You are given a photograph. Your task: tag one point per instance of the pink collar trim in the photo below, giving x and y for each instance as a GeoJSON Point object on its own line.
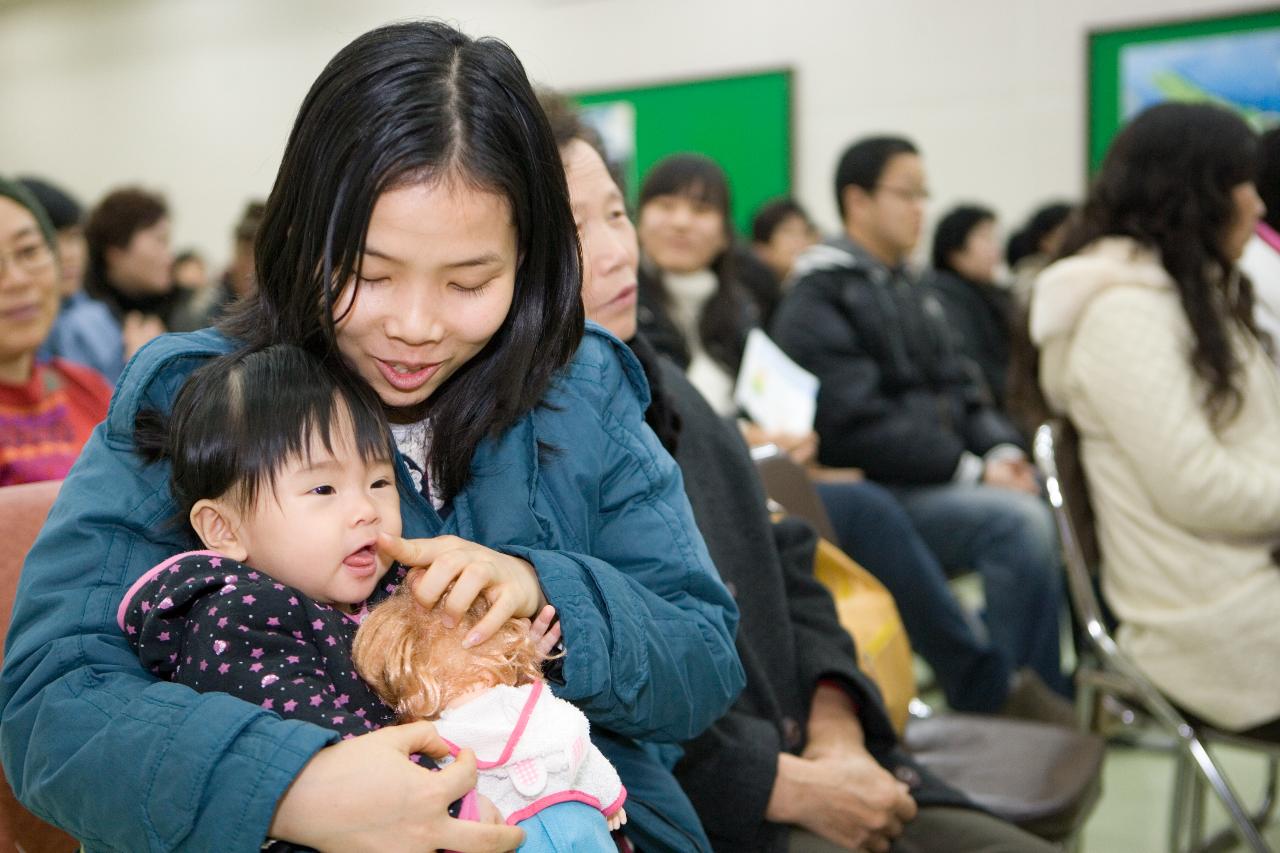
{"type": "Point", "coordinates": [151, 573]}
{"type": "Point", "coordinates": [525, 713]}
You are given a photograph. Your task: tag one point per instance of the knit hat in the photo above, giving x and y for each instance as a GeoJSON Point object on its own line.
{"type": "Point", "coordinates": [18, 193]}
{"type": "Point", "coordinates": [64, 211]}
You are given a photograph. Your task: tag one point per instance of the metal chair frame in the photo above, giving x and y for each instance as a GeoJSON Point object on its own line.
{"type": "Point", "coordinates": [1116, 675]}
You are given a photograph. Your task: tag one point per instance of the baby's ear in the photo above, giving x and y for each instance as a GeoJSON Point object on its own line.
{"type": "Point", "coordinates": [218, 527]}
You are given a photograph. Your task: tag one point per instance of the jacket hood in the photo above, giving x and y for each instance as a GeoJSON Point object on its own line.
{"type": "Point", "coordinates": [837, 253]}
{"type": "Point", "coordinates": [1066, 288]}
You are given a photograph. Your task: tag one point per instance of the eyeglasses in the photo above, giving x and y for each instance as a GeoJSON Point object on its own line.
{"type": "Point", "coordinates": [30, 259]}
{"type": "Point", "coordinates": [912, 196]}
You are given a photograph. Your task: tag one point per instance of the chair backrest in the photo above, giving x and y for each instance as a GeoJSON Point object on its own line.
{"type": "Point", "coordinates": [788, 484]}
{"type": "Point", "coordinates": [22, 512]}
{"type": "Point", "coordinates": [1088, 609]}
{"type": "Point", "coordinates": [1047, 450]}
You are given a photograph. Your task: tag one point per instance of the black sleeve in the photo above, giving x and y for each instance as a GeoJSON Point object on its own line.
{"type": "Point", "coordinates": [857, 423]}
{"type": "Point", "coordinates": [728, 772]}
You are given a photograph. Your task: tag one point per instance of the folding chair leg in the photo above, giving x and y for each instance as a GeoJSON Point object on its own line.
{"type": "Point", "coordinates": [1242, 820]}
{"type": "Point", "coordinates": [1088, 706]}
{"type": "Point", "coordinates": [1225, 839]}
{"type": "Point", "coordinates": [1179, 808]}
{"type": "Point", "coordinates": [1268, 805]}
{"type": "Point", "coordinates": [1195, 813]}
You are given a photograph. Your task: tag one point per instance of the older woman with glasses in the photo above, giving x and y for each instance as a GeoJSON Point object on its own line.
{"type": "Point", "coordinates": [47, 410]}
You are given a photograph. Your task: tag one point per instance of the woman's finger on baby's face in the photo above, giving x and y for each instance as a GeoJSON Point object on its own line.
{"type": "Point", "coordinates": [416, 552]}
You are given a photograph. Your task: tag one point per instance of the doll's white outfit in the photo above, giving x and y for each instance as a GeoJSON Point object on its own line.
{"type": "Point", "coordinates": [533, 751]}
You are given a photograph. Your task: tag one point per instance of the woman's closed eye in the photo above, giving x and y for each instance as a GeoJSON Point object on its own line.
{"type": "Point", "coordinates": [472, 289]}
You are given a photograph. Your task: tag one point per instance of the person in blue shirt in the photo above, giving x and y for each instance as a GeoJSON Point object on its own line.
{"type": "Point", "coordinates": [420, 228]}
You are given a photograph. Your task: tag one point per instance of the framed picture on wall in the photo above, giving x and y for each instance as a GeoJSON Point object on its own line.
{"type": "Point", "coordinates": [743, 122]}
{"type": "Point", "coordinates": [1230, 60]}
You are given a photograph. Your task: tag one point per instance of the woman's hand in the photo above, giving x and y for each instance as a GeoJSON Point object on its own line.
{"type": "Point", "coordinates": [364, 794]}
{"type": "Point", "coordinates": [509, 584]}
{"type": "Point", "coordinates": [803, 449]}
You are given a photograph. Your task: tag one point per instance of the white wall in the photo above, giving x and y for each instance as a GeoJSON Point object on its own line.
{"type": "Point", "coordinates": [196, 97]}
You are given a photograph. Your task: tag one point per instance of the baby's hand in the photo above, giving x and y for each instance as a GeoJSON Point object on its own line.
{"type": "Point", "coordinates": [543, 632]}
{"type": "Point", "coordinates": [617, 820]}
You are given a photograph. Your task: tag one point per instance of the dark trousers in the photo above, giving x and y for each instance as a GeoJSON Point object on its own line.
{"type": "Point", "coordinates": [874, 529]}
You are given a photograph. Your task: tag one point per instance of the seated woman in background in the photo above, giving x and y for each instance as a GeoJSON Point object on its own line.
{"type": "Point", "coordinates": [966, 252]}
{"type": "Point", "coordinates": [46, 410]}
{"type": "Point", "coordinates": [691, 305]}
{"type": "Point", "coordinates": [130, 270]}
{"type": "Point", "coordinates": [780, 231]}
{"type": "Point", "coordinates": [1148, 345]}
{"type": "Point", "coordinates": [1034, 245]}
{"type": "Point", "coordinates": [85, 332]}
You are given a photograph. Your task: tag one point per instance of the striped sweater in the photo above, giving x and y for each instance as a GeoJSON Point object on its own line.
{"type": "Point", "coordinates": [45, 421]}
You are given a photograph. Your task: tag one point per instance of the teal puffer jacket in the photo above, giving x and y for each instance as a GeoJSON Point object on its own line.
{"type": "Point", "coordinates": [579, 487]}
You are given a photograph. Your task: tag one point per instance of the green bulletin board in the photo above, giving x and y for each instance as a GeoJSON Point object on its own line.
{"type": "Point", "coordinates": [742, 122]}
{"type": "Point", "coordinates": [1231, 60]}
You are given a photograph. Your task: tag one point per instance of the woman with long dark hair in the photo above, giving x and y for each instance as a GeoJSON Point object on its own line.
{"type": "Point", "coordinates": [420, 229]}
{"type": "Point", "coordinates": [691, 305]}
{"type": "Point", "coordinates": [1148, 345]}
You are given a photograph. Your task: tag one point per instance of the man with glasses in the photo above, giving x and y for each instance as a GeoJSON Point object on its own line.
{"type": "Point", "coordinates": [897, 401]}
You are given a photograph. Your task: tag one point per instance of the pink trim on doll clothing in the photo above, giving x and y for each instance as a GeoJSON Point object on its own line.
{"type": "Point", "coordinates": [470, 806]}
{"type": "Point", "coordinates": [571, 796]}
{"type": "Point", "coordinates": [149, 574]}
{"type": "Point", "coordinates": [1268, 235]}
{"type": "Point", "coordinates": [525, 713]}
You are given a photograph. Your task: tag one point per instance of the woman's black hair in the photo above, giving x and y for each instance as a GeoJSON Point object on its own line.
{"type": "Point", "coordinates": [1166, 182]}
{"type": "Point", "coordinates": [240, 418]}
{"type": "Point", "coordinates": [701, 179]}
{"type": "Point", "coordinates": [405, 104]}
{"type": "Point", "coordinates": [1027, 239]}
{"type": "Point", "coordinates": [772, 215]}
{"type": "Point", "coordinates": [953, 230]}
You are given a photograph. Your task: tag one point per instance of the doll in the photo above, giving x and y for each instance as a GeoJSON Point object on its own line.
{"type": "Point", "coordinates": [535, 759]}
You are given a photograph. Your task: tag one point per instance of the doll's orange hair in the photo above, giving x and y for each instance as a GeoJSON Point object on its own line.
{"type": "Point", "coordinates": [416, 665]}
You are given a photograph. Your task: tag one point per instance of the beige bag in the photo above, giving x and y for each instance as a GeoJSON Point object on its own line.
{"type": "Point", "coordinates": [867, 611]}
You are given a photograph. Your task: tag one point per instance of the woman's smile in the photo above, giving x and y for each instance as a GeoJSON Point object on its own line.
{"type": "Point", "coordinates": [407, 377]}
